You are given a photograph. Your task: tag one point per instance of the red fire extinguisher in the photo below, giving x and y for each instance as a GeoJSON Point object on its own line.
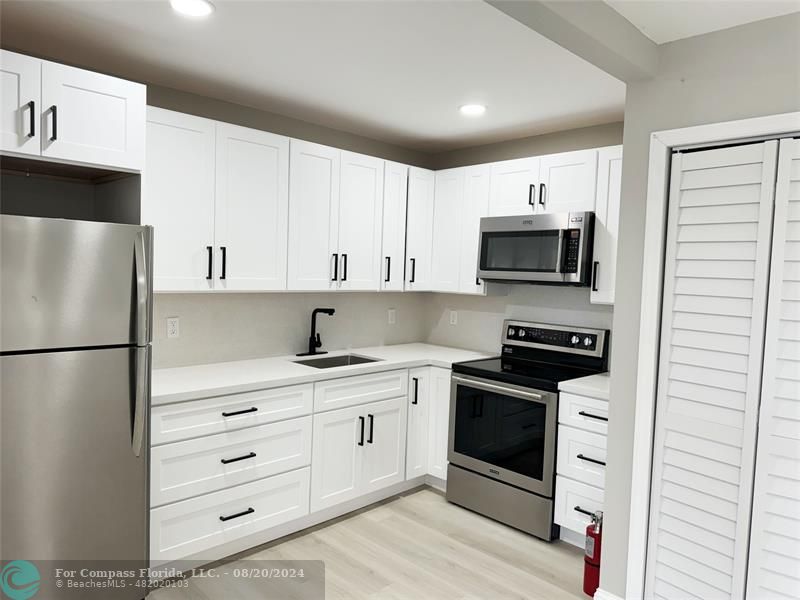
{"type": "Point", "coordinates": [591, 559]}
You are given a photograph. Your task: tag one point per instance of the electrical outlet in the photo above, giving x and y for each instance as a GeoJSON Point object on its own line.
{"type": "Point", "coordinates": [453, 317]}
{"type": "Point", "coordinates": [173, 327]}
{"type": "Point", "coordinates": [392, 315]}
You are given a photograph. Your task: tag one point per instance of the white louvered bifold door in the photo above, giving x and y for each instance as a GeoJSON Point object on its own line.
{"type": "Point", "coordinates": [715, 287]}
{"type": "Point", "coordinates": [775, 533]}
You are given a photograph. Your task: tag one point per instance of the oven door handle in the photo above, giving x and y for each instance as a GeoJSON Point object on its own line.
{"type": "Point", "coordinates": [497, 388]}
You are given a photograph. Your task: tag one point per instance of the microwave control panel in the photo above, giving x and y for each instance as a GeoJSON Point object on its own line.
{"type": "Point", "coordinates": [572, 248]}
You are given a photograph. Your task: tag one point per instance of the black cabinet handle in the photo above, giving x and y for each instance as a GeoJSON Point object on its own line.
{"type": "Point", "coordinates": [594, 275]}
{"type": "Point", "coordinates": [388, 269]}
{"type": "Point", "coordinates": [54, 112]}
{"type": "Point", "coordinates": [591, 416]}
{"type": "Point", "coordinates": [583, 511]}
{"type": "Point", "coordinates": [413, 270]}
{"type": "Point", "coordinates": [361, 421]}
{"type": "Point", "coordinates": [227, 461]}
{"type": "Point", "coordinates": [416, 390]}
{"type": "Point", "coordinates": [371, 428]}
{"type": "Point", "coordinates": [477, 281]}
{"type": "Point", "coordinates": [335, 266]}
{"type": "Point", "coordinates": [344, 267]}
{"type": "Point", "coordinates": [224, 251]}
{"type": "Point", "coordinates": [32, 117]}
{"type": "Point", "coordinates": [532, 194]}
{"type": "Point", "coordinates": [542, 190]}
{"type": "Point", "coordinates": [249, 511]}
{"type": "Point", "coordinates": [209, 272]}
{"type": "Point", "coordinates": [591, 460]}
{"type": "Point", "coordinates": [252, 409]}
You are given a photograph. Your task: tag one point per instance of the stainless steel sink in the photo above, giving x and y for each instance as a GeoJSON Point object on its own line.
{"type": "Point", "coordinates": [342, 360]}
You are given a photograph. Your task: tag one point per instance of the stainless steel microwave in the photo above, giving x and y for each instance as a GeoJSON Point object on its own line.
{"type": "Point", "coordinates": [551, 249]}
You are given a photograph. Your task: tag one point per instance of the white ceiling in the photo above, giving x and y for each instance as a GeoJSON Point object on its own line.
{"type": "Point", "coordinates": [669, 20]}
{"type": "Point", "coordinates": [396, 71]}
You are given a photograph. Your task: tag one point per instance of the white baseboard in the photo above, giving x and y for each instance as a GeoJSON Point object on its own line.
{"type": "Point", "coordinates": [604, 595]}
{"type": "Point", "coordinates": [573, 537]}
{"type": "Point", "coordinates": [436, 482]}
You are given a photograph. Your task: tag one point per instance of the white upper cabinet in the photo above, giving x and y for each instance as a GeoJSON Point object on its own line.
{"type": "Point", "coordinates": [92, 118]}
{"type": "Point", "coordinates": [20, 103]}
{"type": "Point", "coordinates": [178, 199]}
{"type": "Point", "coordinates": [475, 207]}
{"type": "Point", "coordinates": [395, 190]}
{"type": "Point", "coordinates": [606, 225]}
{"type": "Point", "coordinates": [314, 172]}
{"type": "Point", "coordinates": [567, 182]}
{"type": "Point", "coordinates": [360, 222]}
{"type": "Point", "coordinates": [513, 187]}
{"type": "Point", "coordinates": [252, 209]}
{"type": "Point", "coordinates": [419, 229]}
{"type": "Point", "coordinates": [69, 114]}
{"type": "Point", "coordinates": [447, 217]}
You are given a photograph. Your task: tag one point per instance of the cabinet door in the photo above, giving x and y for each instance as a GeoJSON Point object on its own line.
{"type": "Point", "coordinates": [418, 407]}
{"type": "Point", "coordinates": [439, 421]}
{"type": "Point", "coordinates": [360, 222]}
{"type": "Point", "coordinates": [395, 190]}
{"type": "Point", "coordinates": [252, 209]}
{"type": "Point", "coordinates": [606, 225]}
{"type": "Point", "coordinates": [313, 216]}
{"type": "Point", "coordinates": [419, 229]}
{"type": "Point", "coordinates": [475, 206]}
{"type": "Point", "coordinates": [513, 187]}
{"type": "Point", "coordinates": [92, 118]}
{"type": "Point", "coordinates": [385, 450]}
{"type": "Point", "coordinates": [178, 199]}
{"type": "Point", "coordinates": [567, 182]}
{"type": "Point", "coordinates": [339, 439]}
{"type": "Point", "coordinates": [448, 207]}
{"type": "Point", "coordinates": [20, 105]}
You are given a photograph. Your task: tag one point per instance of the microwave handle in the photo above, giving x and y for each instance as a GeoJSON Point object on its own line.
{"type": "Point", "coordinates": [560, 252]}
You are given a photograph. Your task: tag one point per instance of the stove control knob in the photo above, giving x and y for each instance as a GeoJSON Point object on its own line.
{"type": "Point", "coordinates": [575, 340]}
{"type": "Point", "coordinates": [511, 332]}
{"type": "Point", "coordinates": [587, 341]}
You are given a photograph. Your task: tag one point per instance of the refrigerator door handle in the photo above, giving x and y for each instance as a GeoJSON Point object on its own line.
{"type": "Point", "coordinates": [142, 291]}
{"type": "Point", "coordinates": [141, 399]}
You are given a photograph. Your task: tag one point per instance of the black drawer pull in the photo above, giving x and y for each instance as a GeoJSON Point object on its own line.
{"type": "Point", "coordinates": [591, 460]}
{"type": "Point", "coordinates": [583, 511]}
{"type": "Point", "coordinates": [591, 416]}
{"type": "Point", "coordinates": [249, 511]}
{"type": "Point", "coordinates": [239, 412]}
{"type": "Point", "coordinates": [227, 461]}
{"type": "Point", "coordinates": [371, 428]}
{"type": "Point", "coordinates": [32, 109]}
{"type": "Point", "coordinates": [361, 421]}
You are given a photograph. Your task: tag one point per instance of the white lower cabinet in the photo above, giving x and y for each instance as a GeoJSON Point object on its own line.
{"type": "Point", "coordinates": [418, 411]}
{"type": "Point", "coordinates": [438, 422]}
{"type": "Point", "coordinates": [186, 528]}
{"type": "Point", "coordinates": [357, 450]}
{"type": "Point", "coordinates": [573, 500]}
{"type": "Point", "coordinates": [582, 455]}
{"type": "Point", "coordinates": [213, 462]}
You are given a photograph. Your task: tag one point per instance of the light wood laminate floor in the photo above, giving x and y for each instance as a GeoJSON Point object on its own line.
{"type": "Point", "coordinates": [415, 546]}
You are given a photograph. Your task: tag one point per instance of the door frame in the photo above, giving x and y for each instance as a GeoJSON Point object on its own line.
{"type": "Point", "coordinates": [661, 145]}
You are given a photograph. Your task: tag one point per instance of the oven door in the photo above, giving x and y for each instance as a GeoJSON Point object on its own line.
{"type": "Point", "coordinates": [504, 431]}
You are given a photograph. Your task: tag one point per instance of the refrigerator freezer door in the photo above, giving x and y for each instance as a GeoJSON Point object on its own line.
{"type": "Point", "coordinates": [72, 487]}
{"type": "Point", "coordinates": [73, 284]}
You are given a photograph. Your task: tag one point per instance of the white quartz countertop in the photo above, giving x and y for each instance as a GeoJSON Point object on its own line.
{"type": "Point", "coordinates": [594, 386]}
{"type": "Point", "coordinates": [201, 381]}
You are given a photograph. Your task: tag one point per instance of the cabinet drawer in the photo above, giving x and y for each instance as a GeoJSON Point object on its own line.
{"type": "Point", "coordinates": [193, 467]}
{"type": "Point", "coordinates": [191, 526]}
{"type": "Point", "coordinates": [174, 422]}
{"type": "Point", "coordinates": [349, 391]}
{"type": "Point", "coordinates": [571, 494]}
{"type": "Point", "coordinates": [583, 412]}
{"type": "Point", "coordinates": [577, 452]}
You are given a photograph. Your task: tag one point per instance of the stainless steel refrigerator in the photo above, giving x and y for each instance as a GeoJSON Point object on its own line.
{"type": "Point", "coordinates": [75, 333]}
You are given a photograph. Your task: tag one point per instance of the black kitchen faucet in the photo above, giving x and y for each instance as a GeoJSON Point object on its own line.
{"type": "Point", "coordinates": [314, 340]}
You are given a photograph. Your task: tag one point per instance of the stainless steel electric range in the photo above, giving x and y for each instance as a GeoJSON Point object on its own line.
{"type": "Point", "coordinates": [503, 421]}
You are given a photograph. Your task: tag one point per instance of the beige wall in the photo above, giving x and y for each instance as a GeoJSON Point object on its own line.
{"type": "Point", "coordinates": [549, 143]}
{"type": "Point", "coordinates": [746, 71]}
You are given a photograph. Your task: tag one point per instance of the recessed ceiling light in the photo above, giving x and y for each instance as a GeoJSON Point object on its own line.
{"type": "Point", "coordinates": [192, 8]}
{"type": "Point", "coordinates": [472, 110]}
